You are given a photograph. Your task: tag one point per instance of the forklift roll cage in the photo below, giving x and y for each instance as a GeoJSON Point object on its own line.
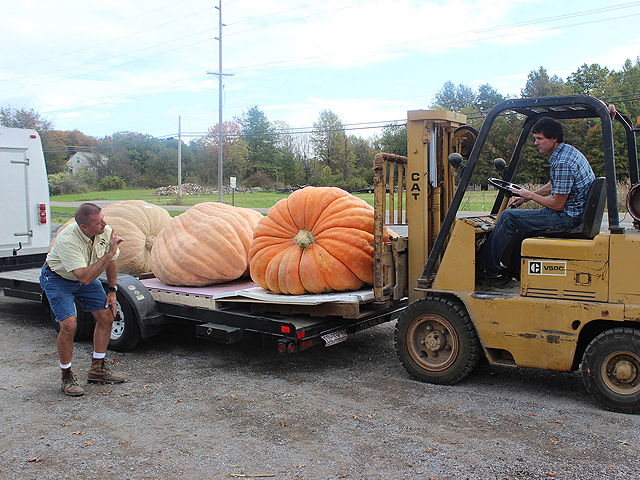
{"type": "Point", "coordinates": [559, 108]}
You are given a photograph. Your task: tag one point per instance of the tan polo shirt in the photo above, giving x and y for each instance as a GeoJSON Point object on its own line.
{"type": "Point", "coordinates": [73, 249]}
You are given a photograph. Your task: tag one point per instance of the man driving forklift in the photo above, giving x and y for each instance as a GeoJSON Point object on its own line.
{"type": "Point", "coordinates": [562, 199]}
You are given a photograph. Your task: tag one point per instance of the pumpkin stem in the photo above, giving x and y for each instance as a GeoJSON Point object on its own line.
{"type": "Point", "coordinates": [304, 239]}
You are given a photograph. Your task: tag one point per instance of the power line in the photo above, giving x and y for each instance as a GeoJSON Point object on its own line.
{"type": "Point", "coordinates": [145, 14]}
{"type": "Point", "coordinates": [108, 42]}
{"type": "Point", "coordinates": [297, 130]}
{"type": "Point", "coordinates": [283, 63]}
{"type": "Point", "coordinates": [133, 94]}
{"type": "Point", "coordinates": [314, 59]}
{"type": "Point", "coordinates": [302, 18]}
{"type": "Point", "coordinates": [276, 132]}
{"type": "Point", "coordinates": [276, 13]}
{"type": "Point", "coordinates": [105, 68]}
{"type": "Point", "coordinates": [75, 67]}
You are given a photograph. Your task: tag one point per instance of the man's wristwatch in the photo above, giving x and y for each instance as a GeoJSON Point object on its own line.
{"type": "Point", "coordinates": [113, 289]}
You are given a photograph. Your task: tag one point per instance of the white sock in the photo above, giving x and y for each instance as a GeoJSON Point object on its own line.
{"type": "Point", "coordinates": [64, 367]}
{"type": "Point", "coordinates": [99, 356]}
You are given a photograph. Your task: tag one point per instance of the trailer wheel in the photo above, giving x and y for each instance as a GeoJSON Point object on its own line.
{"type": "Point", "coordinates": [125, 332]}
{"type": "Point", "coordinates": [436, 341]}
{"type": "Point", "coordinates": [88, 323]}
{"type": "Point", "coordinates": [84, 324]}
{"type": "Point", "coordinates": [611, 369]}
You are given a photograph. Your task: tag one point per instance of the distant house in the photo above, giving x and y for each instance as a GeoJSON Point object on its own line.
{"type": "Point", "coordinates": [85, 161]}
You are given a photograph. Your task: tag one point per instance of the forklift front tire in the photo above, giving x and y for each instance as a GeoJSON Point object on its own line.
{"type": "Point", "coordinates": [611, 369]}
{"type": "Point", "coordinates": [436, 340]}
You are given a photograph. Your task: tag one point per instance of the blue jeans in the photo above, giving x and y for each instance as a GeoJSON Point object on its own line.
{"type": "Point", "coordinates": [521, 224]}
{"type": "Point", "coordinates": [61, 294]}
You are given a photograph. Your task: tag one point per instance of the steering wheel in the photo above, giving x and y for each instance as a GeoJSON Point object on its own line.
{"type": "Point", "coordinates": [504, 186]}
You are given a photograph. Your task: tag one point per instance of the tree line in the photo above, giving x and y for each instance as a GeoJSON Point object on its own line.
{"type": "Point", "coordinates": [621, 88]}
{"type": "Point", "coordinates": [269, 154]}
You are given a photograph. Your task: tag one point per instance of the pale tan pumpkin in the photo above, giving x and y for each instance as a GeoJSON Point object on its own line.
{"type": "Point", "coordinates": [139, 223]}
{"type": "Point", "coordinates": [319, 239]}
{"type": "Point", "coordinates": [207, 244]}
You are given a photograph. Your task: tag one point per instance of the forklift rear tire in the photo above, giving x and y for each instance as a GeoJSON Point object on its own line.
{"type": "Point", "coordinates": [125, 332]}
{"type": "Point", "coordinates": [611, 369]}
{"type": "Point", "coordinates": [436, 340]}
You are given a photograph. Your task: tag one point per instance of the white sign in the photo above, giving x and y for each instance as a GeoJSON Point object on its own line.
{"type": "Point", "coordinates": [548, 267]}
{"type": "Point", "coordinates": [232, 182]}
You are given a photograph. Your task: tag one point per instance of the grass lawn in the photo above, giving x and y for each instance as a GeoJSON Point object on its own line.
{"type": "Point", "coordinates": [103, 195]}
{"type": "Point", "coordinates": [477, 201]}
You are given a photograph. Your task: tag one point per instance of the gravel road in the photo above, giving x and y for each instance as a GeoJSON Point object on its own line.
{"type": "Point", "coordinates": [199, 410]}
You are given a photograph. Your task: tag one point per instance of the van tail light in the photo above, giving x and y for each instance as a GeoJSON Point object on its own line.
{"type": "Point", "coordinates": [42, 210]}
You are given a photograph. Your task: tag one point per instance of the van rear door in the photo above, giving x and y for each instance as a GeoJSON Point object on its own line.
{"type": "Point", "coordinates": [14, 184]}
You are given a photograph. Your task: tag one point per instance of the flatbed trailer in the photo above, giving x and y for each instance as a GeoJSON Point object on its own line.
{"type": "Point", "coordinates": [227, 312]}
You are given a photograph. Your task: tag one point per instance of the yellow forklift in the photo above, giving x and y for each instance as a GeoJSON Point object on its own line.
{"type": "Point", "coordinates": [577, 303]}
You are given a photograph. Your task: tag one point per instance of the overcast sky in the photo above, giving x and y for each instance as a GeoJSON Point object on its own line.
{"type": "Point", "coordinates": [122, 65]}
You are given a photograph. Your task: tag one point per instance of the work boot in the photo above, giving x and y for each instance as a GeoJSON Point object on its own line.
{"type": "Point", "coordinates": [100, 373]}
{"type": "Point", "coordinates": [70, 384]}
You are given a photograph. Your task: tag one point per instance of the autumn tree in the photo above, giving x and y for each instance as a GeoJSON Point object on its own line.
{"type": "Point", "coordinates": [261, 139]}
{"type": "Point", "coordinates": [24, 118]}
{"type": "Point", "coordinates": [331, 145]}
{"type": "Point", "coordinates": [487, 98]}
{"type": "Point", "coordinates": [59, 146]}
{"type": "Point", "coordinates": [590, 80]}
{"type": "Point", "coordinates": [231, 132]}
{"type": "Point", "coordinates": [393, 139]}
{"type": "Point", "coordinates": [539, 84]}
{"type": "Point", "coordinates": [455, 99]}
{"type": "Point", "coordinates": [238, 159]}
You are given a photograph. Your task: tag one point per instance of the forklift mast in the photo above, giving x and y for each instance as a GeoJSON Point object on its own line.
{"type": "Point", "coordinates": [424, 183]}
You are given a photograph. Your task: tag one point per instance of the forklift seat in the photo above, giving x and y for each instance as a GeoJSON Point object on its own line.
{"type": "Point", "coordinates": [592, 215]}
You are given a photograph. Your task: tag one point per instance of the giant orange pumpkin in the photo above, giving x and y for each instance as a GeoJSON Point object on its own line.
{"type": "Point", "coordinates": [319, 239]}
{"type": "Point", "coordinates": [209, 243]}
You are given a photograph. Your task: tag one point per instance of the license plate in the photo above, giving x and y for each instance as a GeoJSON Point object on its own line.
{"type": "Point", "coordinates": [334, 337]}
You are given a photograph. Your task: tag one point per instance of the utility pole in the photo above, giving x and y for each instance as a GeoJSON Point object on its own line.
{"type": "Point", "coordinates": [179, 157]}
{"type": "Point", "coordinates": [219, 74]}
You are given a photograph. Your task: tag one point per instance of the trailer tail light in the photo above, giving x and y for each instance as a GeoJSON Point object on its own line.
{"type": "Point", "coordinates": [33, 136]}
{"type": "Point", "coordinates": [285, 329]}
{"type": "Point", "coordinates": [301, 334]}
{"type": "Point", "coordinates": [305, 344]}
{"type": "Point", "coordinates": [285, 347]}
{"type": "Point", "coordinates": [42, 211]}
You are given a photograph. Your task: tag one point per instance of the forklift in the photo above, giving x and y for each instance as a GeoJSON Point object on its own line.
{"type": "Point", "coordinates": [576, 305]}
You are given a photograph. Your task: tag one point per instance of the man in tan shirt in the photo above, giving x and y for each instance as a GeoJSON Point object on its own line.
{"type": "Point", "coordinates": [80, 253]}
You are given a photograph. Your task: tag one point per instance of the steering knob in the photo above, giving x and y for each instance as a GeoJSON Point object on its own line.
{"type": "Point", "coordinates": [499, 164]}
{"type": "Point", "coordinates": [455, 160]}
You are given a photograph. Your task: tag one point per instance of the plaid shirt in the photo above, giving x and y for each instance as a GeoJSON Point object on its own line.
{"type": "Point", "coordinates": [572, 174]}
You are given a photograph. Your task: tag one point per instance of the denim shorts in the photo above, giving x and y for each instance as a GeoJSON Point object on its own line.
{"type": "Point", "coordinates": [62, 292]}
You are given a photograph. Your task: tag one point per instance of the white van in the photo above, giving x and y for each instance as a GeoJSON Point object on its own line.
{"type": "Point", "coordinates": [25, 215]}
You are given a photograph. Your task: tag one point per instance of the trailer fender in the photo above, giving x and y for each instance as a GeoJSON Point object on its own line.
{"type": "Point", "coordinates": [143, 305]}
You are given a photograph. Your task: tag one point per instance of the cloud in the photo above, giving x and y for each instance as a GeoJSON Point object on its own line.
{"type": "Point", "coordinates": [123, 65]}
{"type": "Point", "coordinates": [615, 56]}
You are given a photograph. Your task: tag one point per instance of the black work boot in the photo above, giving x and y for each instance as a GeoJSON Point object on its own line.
{"type": "Point", "coordinates": [70, 384]}
{"type": "Point", "coordinates": [100, 373]}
